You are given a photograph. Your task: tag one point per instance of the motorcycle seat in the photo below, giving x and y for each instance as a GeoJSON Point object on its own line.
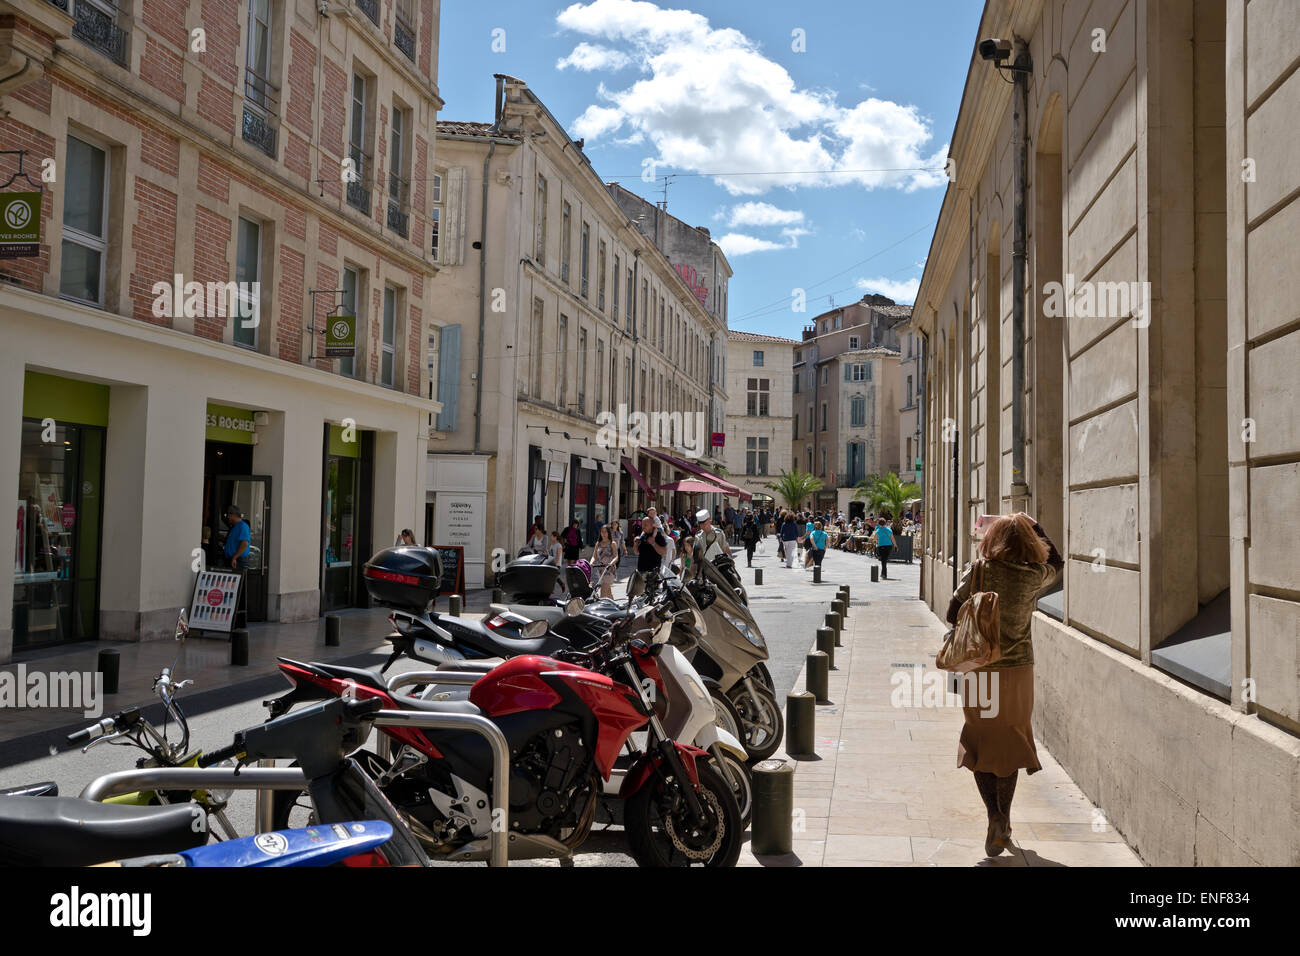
{"type": "Point", "coordinates": [536, 612]}
{"type": "Point", "coordinates": [362, 676]}
{"type": "Point", "coordinates": [66, 831]}
{"type": "Point", "coordinates": [442, 706]}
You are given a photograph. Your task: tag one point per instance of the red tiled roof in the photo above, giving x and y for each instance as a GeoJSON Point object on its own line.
{"type": "Point", "coordinates": [738, 336]}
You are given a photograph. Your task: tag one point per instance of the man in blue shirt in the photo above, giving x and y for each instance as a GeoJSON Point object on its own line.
{"type": "Point", "coordinates": [884, 545]}
{"type": "Point", "coordinates": [237, 539]}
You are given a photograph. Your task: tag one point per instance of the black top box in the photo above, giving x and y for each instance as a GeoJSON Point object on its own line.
{"type": "Point", "coordinates": [528, 576]}
{"type": "Point", "coordinates": [405, 579]}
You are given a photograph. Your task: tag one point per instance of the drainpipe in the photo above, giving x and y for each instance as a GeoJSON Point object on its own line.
{"type": "Point", "coordinates": [1020, 164]}
{"type": "Point", "coordinates": [482, 295]}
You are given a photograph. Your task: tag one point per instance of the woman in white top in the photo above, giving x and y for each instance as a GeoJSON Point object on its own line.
{"type": "Point", "coordinates": [538, 543]}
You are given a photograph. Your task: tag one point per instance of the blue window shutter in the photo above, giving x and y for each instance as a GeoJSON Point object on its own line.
{"type": "Point", "coordinates": [848, 372]}
{"type": "Point", "coordinates": [448, 376]}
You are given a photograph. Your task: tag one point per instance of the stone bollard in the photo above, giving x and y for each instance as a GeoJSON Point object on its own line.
{"type": "Point", "coordinates": [110, 665]}
{"type": "Point", "coordinates": [818, 679]}
{"type": "Point", "coordinates": [800, 724]}
{"type": "Point", "coordinates": [239, 647]}
{"type": "Point", "coordinates": [453, 605]}
{"type": "Point", "coordinates": [826, 644]}
{"type": "Point", "coordinates": [773, 820]}
{"type": "Point", "coordinates": [837, 607]}
{"type": "Point", "coordinates": [844, 590]}
{"type": "Point", "coordinates": [817, 574]}
{"type": "Point", "coordinates": [333, 627]}
{"type": "Point", "coordinates": [758, 575]}
{"type": "Point", "coordinates": [498, 596]}
{"type": "Point", "coordinates": [834, 623]}
{"type": "Point", "coordinates": [875, 574]}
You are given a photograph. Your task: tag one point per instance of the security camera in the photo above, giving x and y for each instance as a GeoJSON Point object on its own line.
{"type": "Point", "coordinates": [995, 50]}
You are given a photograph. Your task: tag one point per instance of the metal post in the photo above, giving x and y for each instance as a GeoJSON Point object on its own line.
{"type": "Point", "coordinates": [110, 662]}
{"type": "Point", "coordinates": [239, 647]}
{"type": "Point", "coordinates": [265, 811]}
{"type": "Point", "coordinates": [758, 575]}
{"type": "Point", "coordinates": [817, 681]}
{"type": "Point", "coordinates": [800, 722]}
{"type": "Point", "coordinates": [333, 629]}
{"type": "Point", "coordinates": [826, 644]}
{"type": "Point", "coordinates": [453, 605]}
{"type": "Point", "coordinates": [773, 822]}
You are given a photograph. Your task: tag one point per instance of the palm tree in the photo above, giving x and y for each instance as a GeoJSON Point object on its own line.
{"type": "Point", "coordinates": [794, 487]}
{"type": "Point", "coordinates": [887, 493]}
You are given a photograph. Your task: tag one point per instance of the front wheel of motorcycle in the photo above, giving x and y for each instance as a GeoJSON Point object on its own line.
{"type": "Point", "coordinates": [661, 832]}
{"type": "Point", "coordinates": [761, 720]}
{"type": "Point", "coordinates": [741, 779]}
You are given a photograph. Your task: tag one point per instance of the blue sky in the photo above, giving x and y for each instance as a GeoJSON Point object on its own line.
{"type": "Point", "coordinates": [840, 143]}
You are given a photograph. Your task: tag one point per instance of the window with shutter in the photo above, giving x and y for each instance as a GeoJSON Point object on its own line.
{"type": "Point", "coordinates": [448, 376]}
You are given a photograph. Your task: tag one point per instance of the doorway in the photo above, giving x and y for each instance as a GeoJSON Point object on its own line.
{"type": "Point", "coordinates": [251, 494]}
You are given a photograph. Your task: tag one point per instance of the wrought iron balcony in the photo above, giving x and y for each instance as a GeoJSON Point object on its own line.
{"type": "Point", "coordinates": [404, 38]}
{"type": "Point", "coordinates": [359, 196]}
{"type": "Point", "coordinates": [398, 221]}
{"type": "Point", "coordinates": [96, 27]}
{"type": "Point", "coordinates": [258, 131]}
{"type": "Point", "coordinates": [370, 8]}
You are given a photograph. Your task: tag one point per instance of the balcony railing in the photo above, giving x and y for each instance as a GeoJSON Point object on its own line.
{"type": "Point", "coordinates": [398, 221]}
{"type": "Point", "coordinates": [404, 38]}
{"type": "Point", "coordinates": [260, 103]}
{"type": "Point", "coordinates": [370, 8]}
{"type": "Point", "coordinates": [358, 190]}
{"type": "Point", "coordinates": [97, 27]}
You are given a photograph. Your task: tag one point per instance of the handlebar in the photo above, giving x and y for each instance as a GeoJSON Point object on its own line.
{"type": "Point", "coordinates": [225, 753]}
{"type": "Point", "coordinates": [90, 733]}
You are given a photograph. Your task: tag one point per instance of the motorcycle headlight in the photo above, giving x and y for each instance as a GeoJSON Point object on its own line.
{"type": "Point", "coordinates": [744, 627]}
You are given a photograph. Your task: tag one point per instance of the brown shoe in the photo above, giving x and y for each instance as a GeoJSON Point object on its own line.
{"type": "Point", "coordinates": [992, 844]}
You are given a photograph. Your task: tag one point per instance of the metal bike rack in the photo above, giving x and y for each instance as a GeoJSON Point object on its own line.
{"type": "Point", "coordinates": [466, 678]}
{"type": "Point", "coordinates": [194, 778]}
{"type": "Point", "coordinates": [422, 720]}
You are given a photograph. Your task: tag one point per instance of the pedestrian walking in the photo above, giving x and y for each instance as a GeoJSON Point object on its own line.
{"type": "Point", "coordinates": [789, 538]}
{"type": "Point", "coordinates": [1017, 562]}
{"type": "Point", "coordinates": [749, 538]}
{"type": "Point", "coordinates": [649, 546]}
{"type": "Point", "coordinates": [817, 544]}
{"type": "Point", "coordinates": [604, 558]}
{"type": "Point", "coordinates": [884, 545]}
{"type": "Point", "coordinates": [539, 542]}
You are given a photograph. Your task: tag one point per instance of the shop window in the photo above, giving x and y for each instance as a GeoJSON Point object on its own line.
{"type": "Point", "coordinates": [56, 556]}
{"type": "Point", "coordinates": [85, 223]}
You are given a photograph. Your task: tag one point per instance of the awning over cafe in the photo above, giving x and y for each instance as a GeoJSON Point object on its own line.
{"type": "Point", "coordinates": [636, 476]}
{"type": "Point", "coordinates": [726, 487]}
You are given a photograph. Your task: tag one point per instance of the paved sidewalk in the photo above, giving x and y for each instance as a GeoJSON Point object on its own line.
{"type": "Point", "coordinates": [884, 789]}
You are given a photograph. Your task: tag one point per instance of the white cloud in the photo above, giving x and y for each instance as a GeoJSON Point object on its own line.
{"type": "Point", "coordinates": [589, 56]}
{"type": "Point", "coordinates": [738, 244]}
{"type": "Point", "coordinates": [762, 214]}
{"type": "Point", "coordinates": [903, 292]}
{"type": "Point", "coordinates": [708, 100]}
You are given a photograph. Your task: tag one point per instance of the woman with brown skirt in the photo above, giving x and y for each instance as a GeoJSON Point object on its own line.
{"type": "Point", "coordinates": [1020, 563]}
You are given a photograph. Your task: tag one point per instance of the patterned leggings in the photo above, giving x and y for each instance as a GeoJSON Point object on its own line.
{"type": "Point", "coordinates": [997, 792]}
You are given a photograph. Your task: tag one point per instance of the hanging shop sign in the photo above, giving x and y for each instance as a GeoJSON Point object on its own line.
{"type": "Point", "coordinates": [20, 225]}
{"type": "Point", "coordinates": [719, 439]}
{"type": "Point", "coordinates": [340, 336]}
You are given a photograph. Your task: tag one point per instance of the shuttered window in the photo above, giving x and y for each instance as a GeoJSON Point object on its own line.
{"type": "Point", "coordinates": [448, 376]}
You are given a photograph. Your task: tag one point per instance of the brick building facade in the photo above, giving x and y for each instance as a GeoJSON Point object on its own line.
{"type": "Point", "coordinates": [276, 144]}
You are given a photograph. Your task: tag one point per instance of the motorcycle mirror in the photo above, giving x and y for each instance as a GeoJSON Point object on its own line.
{"type": "Point", "coordinates": [575, 607]}
{"type": "Point", "coordinates": [534, 629]}
{"type": "Point", "coordinates": [183, 624]}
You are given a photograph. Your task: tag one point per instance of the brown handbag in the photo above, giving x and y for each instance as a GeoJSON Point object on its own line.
{"type": "Point", "coordinates": [976, 640]}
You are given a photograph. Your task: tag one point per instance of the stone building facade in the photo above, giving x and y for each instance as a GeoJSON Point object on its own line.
{"type": "Point", "coordinates": [205, 143]}
{"type": "Point", "coordinates": [760, 379]}
{"type": "Point", "coordinates": [561, 316]}
{"type": "Point", "coordinates": [1155, 432]}
{"type": "Point", "coordinates": [846, 419]}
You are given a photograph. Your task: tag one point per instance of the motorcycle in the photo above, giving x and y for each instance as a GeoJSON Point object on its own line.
{"type": "Point", "coordinates": [132, 728]}
{"type": "Point", "coordinates": [566, 726]}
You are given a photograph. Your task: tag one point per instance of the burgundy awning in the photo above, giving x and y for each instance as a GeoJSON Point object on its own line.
{"type": "Point", "coordinates": [727, 487]}
{"type": "Point", "coordinates": [636, 476]}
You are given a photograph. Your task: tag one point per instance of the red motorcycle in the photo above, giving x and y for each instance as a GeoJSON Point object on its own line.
{"type": "Point", "coordinates": [565, 726]}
